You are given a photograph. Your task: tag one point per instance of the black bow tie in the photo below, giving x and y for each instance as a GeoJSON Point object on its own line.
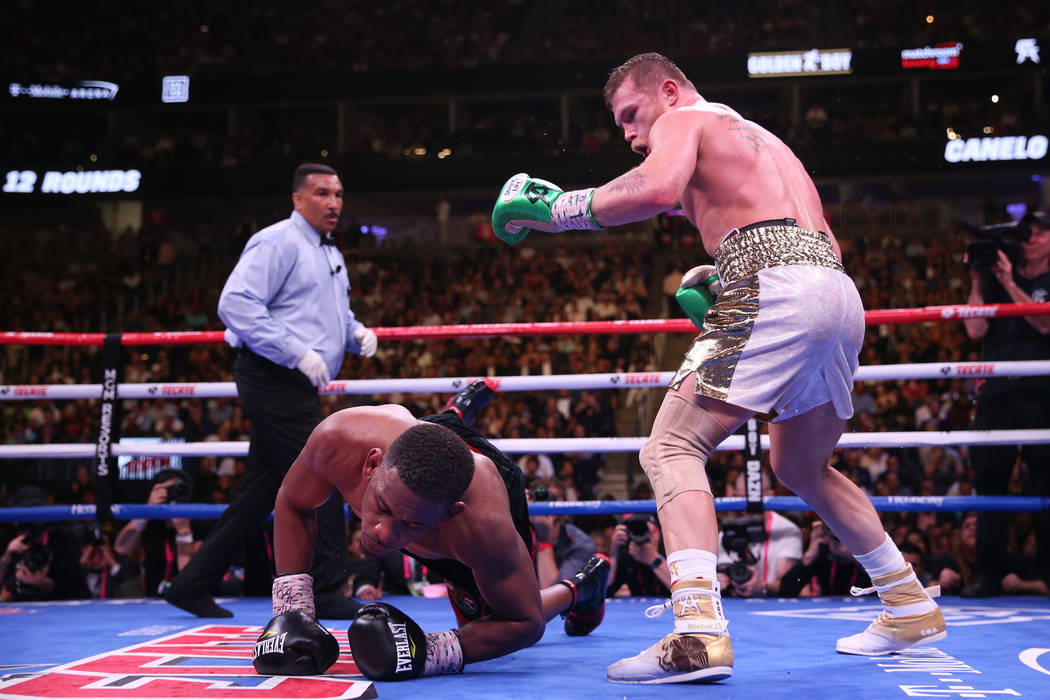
{"type": "Point", "coordinates": [327, 240]}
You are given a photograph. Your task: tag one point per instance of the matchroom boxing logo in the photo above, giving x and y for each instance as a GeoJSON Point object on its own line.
{"type": "Point", "coordinates": [944, 56]}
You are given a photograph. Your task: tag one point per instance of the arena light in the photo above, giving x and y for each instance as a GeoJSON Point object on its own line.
{"type": "Point", "coordinates": [995, 99]}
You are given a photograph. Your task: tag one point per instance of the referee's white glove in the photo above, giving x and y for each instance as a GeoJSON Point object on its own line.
{"type": "Point", "coordinates": [368, 340]}
{"type": "Point", "coordinates": [314, 368]}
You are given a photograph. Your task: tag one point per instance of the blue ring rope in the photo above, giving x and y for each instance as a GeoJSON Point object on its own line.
{"type": "Point", "coordinates": [208, 511]}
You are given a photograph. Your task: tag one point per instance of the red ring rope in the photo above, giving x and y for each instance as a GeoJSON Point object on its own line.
{"type": "Point", "coordinates": [673, 325]}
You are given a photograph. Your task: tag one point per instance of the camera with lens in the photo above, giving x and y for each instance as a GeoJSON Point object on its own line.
{"type": "Point", "coordinates": [37, 558]}
{"type": "Point", "coordinates": [541, 494]}
{"type": "Point", "coordinates": [638, 528]}
{"type": "Point", "coordinates": [738, 534]}
{"type": "Point", "coordinates": [984, 253]}
{"type": "Point", "coordinates": [178, 492]}
{"type": "Point", "coordinates": [31, 532]}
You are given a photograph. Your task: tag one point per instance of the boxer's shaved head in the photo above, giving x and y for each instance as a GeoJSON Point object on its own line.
{"type": "Point", "coordinates": [433, 462]}
{"type": "Point", "coordinates": [646, 71]}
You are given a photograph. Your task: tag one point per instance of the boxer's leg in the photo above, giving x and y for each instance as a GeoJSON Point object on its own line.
{"type": "Point", "coordinates": [800, 449]}
{"type": "Point", "coordinates": [687, 429]}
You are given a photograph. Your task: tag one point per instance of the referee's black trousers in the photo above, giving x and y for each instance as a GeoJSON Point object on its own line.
{"type": "Point", "coordinates": [283, 408]}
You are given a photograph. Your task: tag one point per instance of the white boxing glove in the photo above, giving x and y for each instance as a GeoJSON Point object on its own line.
{"type": "Point", "coordinates": [700, 274]}
{"type": "Point", "coordinates": [368, 340]}
{"type": "Point", "coordinates": [314, 368]}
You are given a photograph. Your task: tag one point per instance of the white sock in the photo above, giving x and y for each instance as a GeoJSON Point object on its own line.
{"type": "Point", "coordinates": [692, 563]}
{"type": "Point", "coordinates": [884, 559]}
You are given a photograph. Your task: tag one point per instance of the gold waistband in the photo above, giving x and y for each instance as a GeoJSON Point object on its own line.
{"type": "Point", "coordinates": [744, 253]}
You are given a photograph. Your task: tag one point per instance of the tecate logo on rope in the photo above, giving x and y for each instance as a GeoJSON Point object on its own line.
{"type": "Point", "coordinates": [25, 390]}
{"type": "Point", "coordinates": [173, 389]}
{"type": "Point", "coordinates": [981, 369]}
{"type": "Point", "coordinates": [978, 312]}
{"type": "Point", "coordinates": [643, 379]}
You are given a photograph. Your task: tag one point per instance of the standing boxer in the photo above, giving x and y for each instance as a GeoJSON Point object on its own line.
{"type": "Point", "coordinates": [782, 341]}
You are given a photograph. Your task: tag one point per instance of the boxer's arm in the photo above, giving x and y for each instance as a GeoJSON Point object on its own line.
{"type": "Point", "coordinates": [303, 490]}
{"type": "Point", "coordinates": [507, 582]}
{"type": "Point", "coordinates": [658, 183]}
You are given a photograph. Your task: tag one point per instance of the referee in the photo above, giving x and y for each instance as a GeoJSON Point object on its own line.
{"type": "Point", "coordinates": [286, 307]}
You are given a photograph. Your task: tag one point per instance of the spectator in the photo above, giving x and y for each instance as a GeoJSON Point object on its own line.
{"type": "Point", "coordinates": [41, 561]}
{"type": "Point", "coordinates": [106, 574]}
{"type": "Point", "coordinates": [561, 548]}
{"type": "Point", "coordinates": [754, 554]}
{"type": "Point", "coordinates": [826, 567]}
{"type": "Point", "coordinates": [163, 546]}
{"type": "Point", "coordinates": [1004, 403]}
{"type": "Point", "coordinates": [637, 558]}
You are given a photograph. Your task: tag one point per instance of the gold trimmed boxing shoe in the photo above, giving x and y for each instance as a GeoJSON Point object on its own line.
{"type": "Point", "coordinates": [909, 617]}
{"type": "Point", "coordinates": [699, 649]}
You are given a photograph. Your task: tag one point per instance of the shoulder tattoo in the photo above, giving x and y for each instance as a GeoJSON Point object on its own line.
{"type": "Point", "coordinates": [748, 133]}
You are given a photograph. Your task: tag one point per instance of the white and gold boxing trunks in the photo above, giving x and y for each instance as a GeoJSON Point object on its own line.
{"type": "Point", "coordinates": [784, 335]}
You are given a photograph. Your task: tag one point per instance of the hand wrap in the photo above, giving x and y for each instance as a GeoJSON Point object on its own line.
{"type": "Point", "coordinates": [294, 592]}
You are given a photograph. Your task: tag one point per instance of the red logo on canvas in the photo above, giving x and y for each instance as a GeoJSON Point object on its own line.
{"type": "Point", "coordinates": [213, 661]}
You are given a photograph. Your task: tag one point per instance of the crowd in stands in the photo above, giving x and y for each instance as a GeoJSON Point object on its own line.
{"type": "Point", "coordinates": [574, 281]}
{"type": "Point", "coordinates": [210, 39]}
{"type": "Point", "coordinates": [407, 131]}
{"type": "Point", "coordinates": [221, 41]}
{"type": "Point", "coordinates": [165, 278]}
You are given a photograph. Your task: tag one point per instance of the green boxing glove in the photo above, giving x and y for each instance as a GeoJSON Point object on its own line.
{"type": "Point", "coordinates": [697, 291]}
{"type": "Point", "coordinates": [540, 205]}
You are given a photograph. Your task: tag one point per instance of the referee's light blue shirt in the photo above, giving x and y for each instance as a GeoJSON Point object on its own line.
{"type": "Point", "coordinates": [288, 294]}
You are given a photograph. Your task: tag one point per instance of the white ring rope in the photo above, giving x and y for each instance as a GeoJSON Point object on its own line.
{"type": "Point", "coordinates": [599, 445]}
{"type": "Point", "coordinates": [553, 382]}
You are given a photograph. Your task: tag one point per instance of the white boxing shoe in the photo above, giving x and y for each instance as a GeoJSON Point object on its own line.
{"type": "Point", "coordinates": [699, 649]}
{"type": "Point", "coordinates": [909, 619]}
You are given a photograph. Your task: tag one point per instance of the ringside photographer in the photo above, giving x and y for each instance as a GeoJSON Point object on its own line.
{"type": "Point", "coordinates": [42, 560]}
{"type": "Point", "coordinates": [827, 567]}
{"type": "Point", "coordinates": [637, 558]}
{"type": "Point", "coordinates": [561, 548]}
{"type": "Point", "coordinates": [1010, 264]}
{"type": "Point", "coordinates": [754, 552]}
{"type": "Point", "coordinates": [167, 545]}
